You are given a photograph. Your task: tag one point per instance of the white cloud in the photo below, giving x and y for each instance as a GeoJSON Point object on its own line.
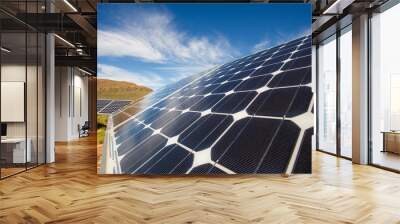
{"type": "Point", "coordinates": [264, 44]}
{"type": "Point", "coordinates": [280, 38]}
{"type": "Point", "coordinates": [155, 38]}
{"type": "Point", "coordinates": [119, 74]}
{"type": "Point", "coordinates": [120, 44]}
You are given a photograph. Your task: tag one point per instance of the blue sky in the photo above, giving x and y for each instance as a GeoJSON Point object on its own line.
{"type": "Point", "coordinates": [157, 44]}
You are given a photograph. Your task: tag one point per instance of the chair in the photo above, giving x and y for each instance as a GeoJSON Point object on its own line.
{"type": "Point", "coordinates": [84, 130]}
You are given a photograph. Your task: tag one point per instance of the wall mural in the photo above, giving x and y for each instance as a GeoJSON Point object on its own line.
{"type": "Point", "coordinates": [190, 89]}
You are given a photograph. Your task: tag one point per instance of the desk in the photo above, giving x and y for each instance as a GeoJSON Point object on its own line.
{"type": "Point", "coordinates": [13, 150]}
{"type": "Point", "coordinates": [391, 141]}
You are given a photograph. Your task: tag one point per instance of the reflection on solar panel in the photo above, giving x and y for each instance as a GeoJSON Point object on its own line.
{"type": "Point", "coordinates": [111, 106]}
{"type": "Point", "coordinates": [252, 115]}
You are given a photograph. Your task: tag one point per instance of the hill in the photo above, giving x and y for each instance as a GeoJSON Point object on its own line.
{"type": "Point", "coordinates": [120, 90]}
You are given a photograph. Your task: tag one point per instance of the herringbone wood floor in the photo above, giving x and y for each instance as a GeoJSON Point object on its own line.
{"type": "Point", "coordinates": [70, 191]}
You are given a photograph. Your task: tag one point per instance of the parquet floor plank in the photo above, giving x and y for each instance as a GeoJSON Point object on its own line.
{"type": "Point", "coordinates": [70, 191]}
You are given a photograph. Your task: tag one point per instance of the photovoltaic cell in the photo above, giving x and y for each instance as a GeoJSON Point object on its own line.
{"type": "Point", "coordinates": [303, 164]}
{"type": "Point", "coordinates": [142, 152]}
{"type": "Point", "coordinates": [161, 163]}
{"type": "Point", "coordinates": [205, 131]}
{"type": "Point", "coordinates": [243, 146]}
{"type": "Point", "coordinates": [245, 116]}
{"type": "Point", "coordinates": [278, 153]}
{"type": "Point", "coordinates": [268, 69]}
{"type": "Point", "coordinates": [253, 83]}
{"type": "Point", "coordinates": [290, 77]}
{"type": "Point", "coordinates": [183, 121]}
{"type": "Point", "coordinates": [234, 102]}
{"type": "Point", "coordinates": [280, 98]}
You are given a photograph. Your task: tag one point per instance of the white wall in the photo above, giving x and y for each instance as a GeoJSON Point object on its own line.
{"type": "Point", "coordinates": [71, 87]}
{"type": "Point", "coordinates": [314, 89]}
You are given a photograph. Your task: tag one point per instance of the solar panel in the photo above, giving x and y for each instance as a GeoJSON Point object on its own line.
{"type": "Point", "coordinates": [252, 115]}
{"type": "Point", "coordinates": [112, 106]}
{"type": "Point", "coordinates": [101, 104]}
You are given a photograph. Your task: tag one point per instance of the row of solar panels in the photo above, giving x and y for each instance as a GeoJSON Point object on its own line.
{"type": "Point", "coordinates": [252, 115]}
{"type": "Point", "coordinates": [111, 106]}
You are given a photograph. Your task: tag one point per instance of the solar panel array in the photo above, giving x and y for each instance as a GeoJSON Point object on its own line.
{"type": "Point", "coordinates": [111, 106]}
{"type": "Point", "coordinates": [150, 99]}
{"type": "Point", "coordinates": [101, 104]}
{"type": "Point", "coordinates": [251, 115]}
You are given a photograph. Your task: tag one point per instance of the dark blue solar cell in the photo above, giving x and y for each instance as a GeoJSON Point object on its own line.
{"type": "Point", "coordinates": [234, 70]}
{"type": "Point", "coordinates": [188, 91]}
{"type": "Point", "coordinates": [183, 166]}
{"type": "Point", "coordinates": [168, 103]}
{"type": "Point", "coordinates": [274, 102]}
{"type": "Point", "coordinates": [276, 59]}
{"type": "Point", "coordinates": [294, 42]}
{"type": "Point", "coordinates": [303, 164]}
{"type": "Point", "coordinates": [154, 159]}
{"type": "Point", "coordinates": [307, 79]}
{"type": "Point", "coordinates": [164, 119]}
{"type": "Point", "coordinates": [175, 154]}
{"type": "Point", "coordinates": [266, 55]}
{"type": "Point", "coordinates": [301, 102]}
{"type": "Point", "coordinates": [207, 102]}
{"type": "Point", "coordinates": [178, 103]}
{"type": "Point", "coordinates": [130, 130]}
{"type": "Point", "coordinates": [243, 146]}
{"type": "Point", "coordinates": [297, 63]}
{"type": "Point", "coordinates": [126, 127]}
{"type": "Point", "coordinates": [302, 53]}
{"type": "Point", "coordinates": [285, 50]}
{"type": "Point", "coordinates": [278, 154]}
{"type": "Point", "coordinates": [254, 83]}
{"type": "Point", "coordinates": [221, 79]}
{"type": "Point", "coordinates": [207, 89]}
{"type": "Point", "coordinates": [226, 87]}
{"type": "Point", "coordinates": [304, 46]}
{"type": "Point", "coordinates": [149, 115]}
{"type": "Point", "coordinates": [270, 52]}
{"type": "Point", "coordinates": [134, 140]}
{"type": "Point", "coordinates": [241, 74]}
{"type": "Point", "coordinates": [179, 124]}
{"type": "Point", "coordinates": [254, 65]}
{"type": "Point", "coordinates": [136, 157]}
{"type": "Point", "coordinates": [262, 57]}
{"type": "Point", "coordinates": [190, 101]}
{"type": "Point", "coordinates": [201, 82]}
{"type": "Point", "coordinates": [234, 102]}
{"type": "Point", "coordinates": [290, 78]}
{"type": "Point", "coordinates": [267, 69]}
{"type": "Point", "coordinates": [205, 131]}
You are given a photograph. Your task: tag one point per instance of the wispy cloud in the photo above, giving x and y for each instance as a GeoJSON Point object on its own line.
{"type": "Point", "coordinates": [279, 37]}
{"type": "Point", "coordinates": [264, 44]}
{"type": "Point", "coordinates": [120, 44]}
{"type": "Point", "coordinates": [167, 52]}
{"type": "Point", "coordinates": [155, 38]}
